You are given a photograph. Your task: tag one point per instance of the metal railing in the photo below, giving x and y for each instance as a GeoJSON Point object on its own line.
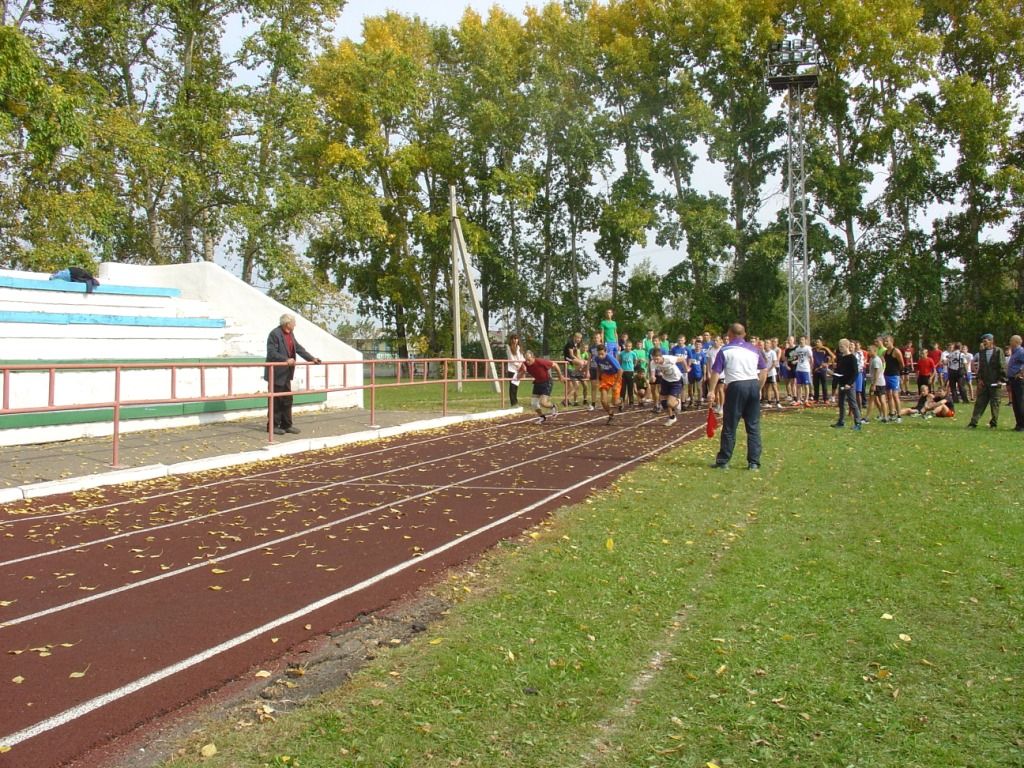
{"type": "Point", "coordinates": [205, 378]}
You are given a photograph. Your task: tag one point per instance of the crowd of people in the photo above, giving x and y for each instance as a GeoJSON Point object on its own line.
{"type": "Point", "coordinates": [878, 380]}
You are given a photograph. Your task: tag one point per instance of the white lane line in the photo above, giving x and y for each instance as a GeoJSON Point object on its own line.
{"type": "Point", "coordinates": [467, 487]}
{"type": "Point", "coordinates": [80, 710]}
{"type": "Point", "coordinates": [198, 518]}
{"type": "Point", "coordinates": [298, 534]}
{"type": "Point", "coordinates": [292, 467]}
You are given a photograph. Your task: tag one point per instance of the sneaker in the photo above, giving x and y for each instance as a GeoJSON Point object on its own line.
{"type": "Point", "coordinates": [542, 419]}
{"type": "Point", "coordinates": [292, 430]}
{"type": "Point", "coordinates": [927, 416]}
{"type": "Point", "coordinates": [838, 425]}
{"type": "Point", "coordinates": [972, 425]}
{"type": "Point", "coordinates": [279, 431]}
{"type": "Point", "coordinates": [754, 467]}
{"type": "Point", "coordinates": [899, 420]}
{"type": "Point", "coordinates": [590, 407]}
{"type": "Point", "coordinates": [716, 465]}
{"type": "Point", "coordinates": [914, 414]}
{"type": "Point", "coordinates": [857, 427]}
{"type": "Point", "coordinates": [611, 416]}
{"type": "Point", "coordinates": [670, 421]}
{"type": "Point", "coordinates": [554, 412]}
{"type": "Point", "coordinates": [778, 406]}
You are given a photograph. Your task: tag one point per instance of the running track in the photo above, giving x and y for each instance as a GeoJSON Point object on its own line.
{"type": "Point", "coordinates": [121, 604]}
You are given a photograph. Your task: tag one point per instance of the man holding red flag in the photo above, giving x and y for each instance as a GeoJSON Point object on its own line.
{"type": "Point", "coordinates": [743, 368]}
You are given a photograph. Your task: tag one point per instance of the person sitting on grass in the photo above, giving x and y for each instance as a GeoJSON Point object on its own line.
{"type": "Point", "coordinates": [931, 404]}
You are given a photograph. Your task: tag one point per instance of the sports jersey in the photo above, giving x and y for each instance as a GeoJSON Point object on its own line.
{"type": "Point", "coordinates": [627, 359]}
{"type": "Point", "coordinates": [925, 367]}
{"type": "Point", "coordinates": [667, 368]}
{"type": "Point", "coordinates": [607, 365]}
{"type": "Point", "coordinates": [739, 360]}
{"type": "Point", "coordinates": [804, 356]}
{"type": "Point", "coordinates": [877, 371]}
{"type": "Point", "coordinates": [539, 369]}
{"type": "Point", "coordinates": [610, 329]}
{"type": "Point", "coordinates": [641, 360]}
{"type": "Point", "coordinates": [697, 363]}
{"type": "Point", "coordinates": [570, 352]}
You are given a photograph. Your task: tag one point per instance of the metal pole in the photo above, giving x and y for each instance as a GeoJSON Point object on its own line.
{"type": "Point", "coordinates": [456, 301]}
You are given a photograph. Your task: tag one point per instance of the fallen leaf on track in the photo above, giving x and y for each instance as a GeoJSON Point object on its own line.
{"type": "Point", "coordinates": [77, 675]}
{"type": "Point", "coordinates": [262, 674]}
{"type": "Point", "coordinates": [209, 750]}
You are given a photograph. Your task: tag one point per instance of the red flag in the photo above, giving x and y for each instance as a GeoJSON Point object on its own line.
{"type": "Point", "coordinates": [712, 422]}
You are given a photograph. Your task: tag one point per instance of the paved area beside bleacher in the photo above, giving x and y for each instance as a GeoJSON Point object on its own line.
{"type": "Point", "coordinates": [26, 464]}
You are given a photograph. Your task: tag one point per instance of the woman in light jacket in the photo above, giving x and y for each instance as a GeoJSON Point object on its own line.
{"type": "Point", "coordinates": [515, 364]}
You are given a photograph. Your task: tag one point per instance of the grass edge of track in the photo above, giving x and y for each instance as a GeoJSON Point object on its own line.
{"type": "Point", "coordinates": [783, 652]}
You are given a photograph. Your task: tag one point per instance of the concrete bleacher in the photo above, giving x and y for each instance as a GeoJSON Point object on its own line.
{"type": "Point", "coordinates": [187, 313]}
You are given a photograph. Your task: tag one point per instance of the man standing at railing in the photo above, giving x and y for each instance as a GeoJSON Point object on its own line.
{"type": "Point", "coordinates": [282, 347]}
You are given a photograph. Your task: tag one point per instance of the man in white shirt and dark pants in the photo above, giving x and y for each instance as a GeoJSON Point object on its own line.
{"type": "Point", "coordinates": [743, 368]}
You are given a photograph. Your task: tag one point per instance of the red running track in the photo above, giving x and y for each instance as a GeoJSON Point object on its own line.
{"type": "Point", "coordinates": [121, 604]}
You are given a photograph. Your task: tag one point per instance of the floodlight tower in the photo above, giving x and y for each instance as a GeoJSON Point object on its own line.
{"type": "Point", "coordinates": [793, 68]}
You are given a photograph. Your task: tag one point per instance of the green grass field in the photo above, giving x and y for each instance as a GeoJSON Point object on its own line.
{"type": "Point", "coordinates": [475, 396]}
{"type": "Point", "coordinates": [856, 603]}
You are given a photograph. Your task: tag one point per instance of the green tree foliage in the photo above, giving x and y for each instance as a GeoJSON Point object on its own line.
{"type": "Point", "coordinates": [171, 130]}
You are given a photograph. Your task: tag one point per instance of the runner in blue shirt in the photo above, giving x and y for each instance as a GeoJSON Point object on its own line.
{"type": "Point", "coordinates": [609, 372]}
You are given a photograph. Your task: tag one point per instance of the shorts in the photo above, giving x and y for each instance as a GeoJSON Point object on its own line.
{"type": "Point", "coordinates": [803, 378]}
{"type": "Point", "coordinates": [694, 376]}
{"type": "Point", "coordinates": [577, 374]}
{"type": "Point", "coordinates": [671, 388]}
{"type": "Point", "coordinates": [769, 379]}
{"type": "Point", "coordinates": [880, 391]}
{"type": "Point", "coordinates": [923, 381]}
{"type": "Point", "coordinates": [541, 388]}
{"type": "Point", "coordinates": [784, 372]}
{"type": "Point", "coordinates": [609, 381]}
{"type": "Point", "coordinates": [947, 415]}
{"type": "Point", "coordinates": [906, 371]}
{"type": "Point", "coordinates": [893, 383]}
{"type": "Point", "coordinates": [612, 348]}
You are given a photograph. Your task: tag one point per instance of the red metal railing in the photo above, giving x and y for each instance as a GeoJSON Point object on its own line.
{"type": "Point", "coordinates": [408, 373]}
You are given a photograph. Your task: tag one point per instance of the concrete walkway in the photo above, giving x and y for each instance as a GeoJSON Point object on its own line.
{"type": "Point", "coordinates": [26, 464]}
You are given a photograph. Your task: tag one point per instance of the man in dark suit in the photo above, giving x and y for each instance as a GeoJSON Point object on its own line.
{"type": "Point", "coordinates": [282, 347]}
{"type": "Point", "coordinates": [991, 376]}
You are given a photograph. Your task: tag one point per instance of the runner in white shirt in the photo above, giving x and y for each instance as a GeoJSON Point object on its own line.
{"type": "Point", "coordinates": [666, 368]}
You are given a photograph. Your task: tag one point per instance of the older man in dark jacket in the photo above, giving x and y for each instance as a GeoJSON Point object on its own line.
{"type": "Point", "coordinates": [991, 376]}
{"type": "Point", "coordinates": [282, 347]}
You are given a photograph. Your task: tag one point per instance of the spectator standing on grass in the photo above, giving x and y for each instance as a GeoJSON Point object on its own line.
{"type": "Point", "coordinates": [908, 368]}
{"type": "Point", "coordinates": [925, 371]}
{"type": "Point", "coordinates": [846, 375]}
{"type": "Point", "coordinates": [282, 347]}
{"type": "Point", "coordinates": [958, 363]}
{"type": "Point", "coordinates": [822, 359]}
{"type": "Point", "coordinates": [876, 379]}
{"type": "Point", "coordinates": [804, 361]}
{"type": "Point", "coordinates": [991, 375]}
{"type": "Point", "coordinates": [539, 369]}
{"type": "Point", "coordinates": [514, 353]}
{"type": "Point", "coordinates": [743, 368]}
{"type": "Point", "coordinates": [893, 365]}
{"type": "Point", "coordinates": [1015, 379]}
